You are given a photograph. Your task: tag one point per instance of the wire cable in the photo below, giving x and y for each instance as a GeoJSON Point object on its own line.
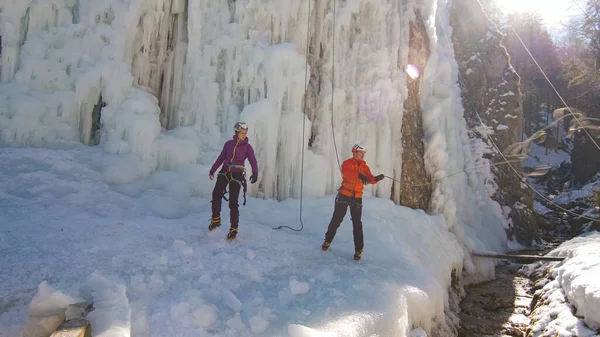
{"type": "Point", "coordinates": [554, 88]}
{"type": "Point", "coordinates": [523, 180]}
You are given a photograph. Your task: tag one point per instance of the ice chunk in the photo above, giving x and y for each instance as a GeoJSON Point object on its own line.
{"type": "Point", "coordinates": [182, 249]}
{"type": "Point", "coordinates": [236, 323]}
{"type": "Point", "coordinates": [297, 287]}
{"type": "Point", "coordinates": [230, 300]}
{"type": "Point", "coordinates": [179, 311]}
{"type": "Point", "coordinates": [111, 313]}
{"type": "Point", "coordinates": [205, 316]}
{"type": "Point", "coordinates": [49, 301]}
{"type": "Point", "coordinates": [258, 324]}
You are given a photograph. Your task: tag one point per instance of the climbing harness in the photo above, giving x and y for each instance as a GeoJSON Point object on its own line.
{"type": "Point", "coordinates": [231, 179]}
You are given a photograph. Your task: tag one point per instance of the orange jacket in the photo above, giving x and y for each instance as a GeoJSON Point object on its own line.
{"type": "Point", "coordinates": [352, 185]}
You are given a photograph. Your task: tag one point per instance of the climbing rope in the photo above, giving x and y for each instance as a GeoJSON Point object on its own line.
{"type": "Point", "coordinates": [333, 87]}
{"type": "Point", "coordinates": [451, 174]}
{"type": "Point", "coordinates": [303, 121]}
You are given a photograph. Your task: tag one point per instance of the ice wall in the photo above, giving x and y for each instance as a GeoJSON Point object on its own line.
{"type": "Point", "coordinates": [90, 71]}
{"type": "Point", "coordinates": [476, 220]}
{"type": "Point", "coordinates": [247, 52]}
{"type": "Point", "coordinates": [68, 64]}
{"type": "Point", "coordinates": [158, 63]}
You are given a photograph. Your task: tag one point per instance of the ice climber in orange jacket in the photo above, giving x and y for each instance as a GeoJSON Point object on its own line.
{"type": "Point", "coordinates": [355, 174]}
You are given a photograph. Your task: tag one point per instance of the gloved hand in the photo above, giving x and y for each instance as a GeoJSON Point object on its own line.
{"type": "Point", "coordinates": [253, 178]}
{"type": "Point", "coordinates": [363, 178]}
{"type": "Point", "coordinates": [379, 177]}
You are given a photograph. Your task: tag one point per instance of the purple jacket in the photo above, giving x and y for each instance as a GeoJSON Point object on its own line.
{"type": "Point", "coordinates": [235, 153]}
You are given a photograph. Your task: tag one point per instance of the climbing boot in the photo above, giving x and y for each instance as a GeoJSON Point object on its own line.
{"type": "Point", "coordinates": [358, 255]}
{"type": "Point", "coordinates": [325, 245]}
{"type": "Point", "coordinates": [232, 233]}
{"type": "Point", "coordinates": [214, 223]}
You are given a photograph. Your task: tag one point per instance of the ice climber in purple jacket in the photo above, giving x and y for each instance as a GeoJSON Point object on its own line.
{"type": "Point", "coordinates": [233, 173]}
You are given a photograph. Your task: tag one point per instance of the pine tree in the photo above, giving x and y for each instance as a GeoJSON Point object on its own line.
{"type": "Point", "coordinates": [525, 34]}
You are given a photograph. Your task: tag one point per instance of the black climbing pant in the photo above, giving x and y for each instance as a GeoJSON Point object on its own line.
{"type": "Point", "coordinates": [342, 203]}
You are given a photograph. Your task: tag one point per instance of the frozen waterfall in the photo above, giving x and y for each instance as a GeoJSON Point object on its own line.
{"type": "Point", "coordinates": [160, 83]}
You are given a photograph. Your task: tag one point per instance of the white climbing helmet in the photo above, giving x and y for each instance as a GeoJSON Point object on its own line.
{"type": "Point", "coordinates": [359, 148]}
{"type": "Point", "coordinates": [240, 126]}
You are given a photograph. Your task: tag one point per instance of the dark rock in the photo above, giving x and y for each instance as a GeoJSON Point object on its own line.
{"type": "Point", "coordinates": [415, 190]}
{"type": "Point", "coordinates": [585, 156]}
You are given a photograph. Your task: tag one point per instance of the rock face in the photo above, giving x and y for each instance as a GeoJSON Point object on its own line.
{"type": "Point", "coordinates": [415, 190]}
{"type": "Point", "coordinates": [492, 92]}
{"type": "Point", "coordinates": [585, 156]}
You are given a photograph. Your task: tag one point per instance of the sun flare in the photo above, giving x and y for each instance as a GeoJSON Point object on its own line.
{"type": "Point", "coordinates": [552, 12]}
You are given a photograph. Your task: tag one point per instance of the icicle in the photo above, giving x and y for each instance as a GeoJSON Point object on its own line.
{"type": "Point", "coordinates": [15, 25]}
{"type": "Point", "coordinates": [173, 74]}
{"type": "Point", "coordinates": [178, 6]}
{"type": "Point", "coordinates": [152, 48]}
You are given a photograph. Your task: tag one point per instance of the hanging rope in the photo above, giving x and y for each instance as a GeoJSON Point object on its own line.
{"type": "Point", "coordinates": [332, 104]}
{"type": "Point", "coordinates": [333, 87]}
{"type": "Point", "coordinates": [303, 122]}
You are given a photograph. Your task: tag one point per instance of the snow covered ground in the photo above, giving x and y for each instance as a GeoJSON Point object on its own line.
{"type": "Point", "coordinates": [571, 295]}
{"type": "Point", "coordinates": [142, 253]}
{"type": "Point", "coordinates": [538, 157]}
{"type": "Point", "coordinates": [586, 191]}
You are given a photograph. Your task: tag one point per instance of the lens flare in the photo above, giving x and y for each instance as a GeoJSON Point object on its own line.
{"type": "Point", "coordinates": [412, 71]}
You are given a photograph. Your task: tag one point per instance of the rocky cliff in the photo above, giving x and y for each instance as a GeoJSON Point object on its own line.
{"type": "Point", "coordinates": [493, 110]}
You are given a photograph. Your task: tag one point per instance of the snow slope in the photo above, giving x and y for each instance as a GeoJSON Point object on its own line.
{"type": "Point", "coordinates": [142, 253]}
{"type": "Point", "coordinates": [572, 294]}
